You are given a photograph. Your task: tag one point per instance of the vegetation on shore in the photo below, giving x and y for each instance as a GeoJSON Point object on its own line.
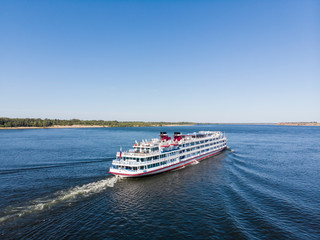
{"type": "Point", "coordinates": [38, 122]}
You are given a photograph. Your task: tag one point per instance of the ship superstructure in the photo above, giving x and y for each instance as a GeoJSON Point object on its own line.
{"type": "Point", "coordinates": [160, 155]}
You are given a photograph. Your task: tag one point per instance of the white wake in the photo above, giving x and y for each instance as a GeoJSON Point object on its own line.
{"type": "Point", "coordinates": [61, 196]}
{"type": "Point", "coordinates": [195, 162]}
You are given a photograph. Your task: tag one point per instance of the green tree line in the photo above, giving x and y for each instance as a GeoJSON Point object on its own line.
{"type": "Point", "coordinates": [38, 122]}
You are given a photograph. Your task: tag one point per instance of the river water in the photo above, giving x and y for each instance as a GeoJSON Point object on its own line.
{"type": "Point", "coordinates": [54, 184]}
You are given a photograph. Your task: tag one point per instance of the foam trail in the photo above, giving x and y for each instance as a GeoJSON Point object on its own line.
{"type": "Point", "coordinates": [179, 168]}
{"type": "Point", "coordinates": [231, 150]}
{"type": "Point", "coordinates": [61, 196]}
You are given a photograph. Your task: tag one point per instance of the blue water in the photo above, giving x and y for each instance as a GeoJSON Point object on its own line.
{"type": "Point", "coordinates": [54, 184]}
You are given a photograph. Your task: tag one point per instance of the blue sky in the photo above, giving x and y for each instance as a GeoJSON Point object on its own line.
{"type": "Point", "coordinates": [203, 61]}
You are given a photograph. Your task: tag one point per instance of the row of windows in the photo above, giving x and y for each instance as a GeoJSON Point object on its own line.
{"type": "Point", "coordinates": [202, 146]}
{"type": "Point", "coordinates": [150, 158]}
{"type": "Point", "coordinates": [146, 149]}
{"type": "Point", "coordinates": [147, 166]}
{"type": "Point", "coordinates": [199, 142]}
{"type": "Point", "coordinates": [199, 152]}
{"type": "Point", "coordinates": [158, 164]}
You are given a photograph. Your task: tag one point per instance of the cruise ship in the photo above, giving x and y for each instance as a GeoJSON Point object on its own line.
{"type": "Point", "coordinates": [155, 156]}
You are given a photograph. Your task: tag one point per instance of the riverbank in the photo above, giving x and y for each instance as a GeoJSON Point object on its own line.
{"type": "Point", "coordinates": [32, 123]}
{"type": "Point", "coordinates": [85, 126]}
{"type": "Point", "coordinates": [74, 126]}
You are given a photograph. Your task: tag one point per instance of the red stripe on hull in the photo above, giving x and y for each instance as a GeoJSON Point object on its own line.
{"type": "Point", "coordinates": [152, 172]}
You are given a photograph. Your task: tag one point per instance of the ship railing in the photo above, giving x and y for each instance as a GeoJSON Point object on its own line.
{"type": "Point", "coordinates": [134, 163]}
{"type": "Point", "coordinates": [127, 170]}
{"type": "Point", "coordinates": [142, 170]}
{"type": "Point", "coordinates": [127, 153]}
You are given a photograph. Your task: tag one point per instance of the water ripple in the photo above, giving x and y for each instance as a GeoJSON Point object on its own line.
{"type": "Point", "coordinates": [55, 165]}
{"type": "Point", "coordinates": [59, 197]}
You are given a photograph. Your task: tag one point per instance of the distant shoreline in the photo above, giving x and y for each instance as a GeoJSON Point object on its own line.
{"type": "Point", "coordinates": [53, 127]}
{"type": "Point", "coordinates": [34, 123]}
{"type": "Point", "coordinates": [85, 126]}
{"type": "Point", "coordinates": [299, 124]}
{"type": "Point", "coordinates": [142, 124]}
